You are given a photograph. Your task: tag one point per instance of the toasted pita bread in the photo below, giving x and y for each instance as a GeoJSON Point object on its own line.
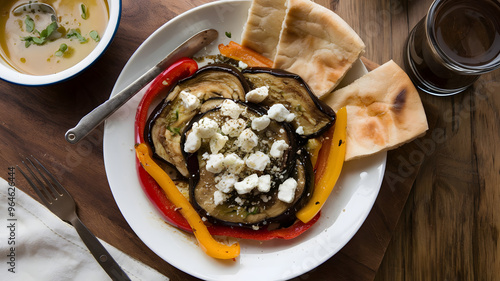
{"type": "Point", "coordinates": [384, 111]}
{"type": "Point", "coordinates": [262, 29]}
{"type": "Point", "coordinates": [316, 44]}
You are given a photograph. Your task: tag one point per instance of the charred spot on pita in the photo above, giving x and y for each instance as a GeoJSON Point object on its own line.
{"type": "Point", "coordinates": [399, 101]}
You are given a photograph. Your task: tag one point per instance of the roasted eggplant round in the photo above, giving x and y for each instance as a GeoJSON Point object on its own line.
{"type": "Point", "coordinates": [239, 183]}
{"type": "Point", "coordinates": [312, 116]}
{"type": "Point", "coordinates": [183, 102]}
{"type": "Point", "coordinates": [244, 157]}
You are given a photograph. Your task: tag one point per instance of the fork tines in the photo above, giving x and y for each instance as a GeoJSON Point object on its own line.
{"type": "Point", "coordinates": [50, 188]}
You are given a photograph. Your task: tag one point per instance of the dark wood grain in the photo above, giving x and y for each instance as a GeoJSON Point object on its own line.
{"type": "Point", "coordinates": [437, 216]}
{"type": "Point", "coordinates": [449, 227]}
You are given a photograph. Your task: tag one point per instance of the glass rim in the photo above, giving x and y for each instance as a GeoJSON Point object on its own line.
{"type": "Point", "coordinates": [441, 55]}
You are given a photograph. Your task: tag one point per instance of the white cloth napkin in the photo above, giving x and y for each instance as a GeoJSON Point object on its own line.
{"type": "Point", "coordinates": [46, 248]}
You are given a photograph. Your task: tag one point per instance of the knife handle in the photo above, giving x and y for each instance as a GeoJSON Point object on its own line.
{"type": "Point", "coordinates": [99, 252]}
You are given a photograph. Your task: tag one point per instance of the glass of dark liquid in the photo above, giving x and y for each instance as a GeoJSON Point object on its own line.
{"type": "Point", "coordinates": [456, 42]}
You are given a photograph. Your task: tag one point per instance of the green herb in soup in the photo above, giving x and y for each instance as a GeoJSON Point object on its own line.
{"type": "Point", "coordinates": [34, 44]}
{"type": "Point", "coordinates": [94, 35]}
{"type": "Point", "coordinates": [83, 10]}
{"type": "Point", "coordinates": [30, 24]}
{"type": "Point", "coordinates": [75, 33]}
{"type": "Point", "coordinates": [40, 38]}
{"type": "Point", "coordinates": [62, 49]}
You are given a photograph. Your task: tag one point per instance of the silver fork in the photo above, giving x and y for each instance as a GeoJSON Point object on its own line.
{"type": "Point", "coordinates": [59, 201]}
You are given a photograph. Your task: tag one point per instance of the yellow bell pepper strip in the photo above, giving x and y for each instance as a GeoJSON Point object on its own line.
{"type": "Point", "coordinates": [250, 57]}
{"type": "Point", "coordinates": [208, 244]}
{"type": "Point", "coordinates": [329, 166]}
{"type": "Point", "coordinates": [313, 147]}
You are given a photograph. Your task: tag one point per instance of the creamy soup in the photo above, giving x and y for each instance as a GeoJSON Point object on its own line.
{"type": "Point", "coordinates": [80, 24]}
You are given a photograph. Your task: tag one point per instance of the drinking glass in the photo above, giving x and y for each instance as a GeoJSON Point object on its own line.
{"type": "Point", "coordinates": [456, 42]}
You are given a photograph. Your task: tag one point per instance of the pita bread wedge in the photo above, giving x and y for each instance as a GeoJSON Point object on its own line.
{"type": "Point", "coordinates": [384, 111]}
{"type": "Point", "coordinates": [262, 29]}
{"type": "Point", "coordinates": [316, 44]}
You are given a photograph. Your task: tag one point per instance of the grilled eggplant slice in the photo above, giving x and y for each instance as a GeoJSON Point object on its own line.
{"type": "Point", "coordinates": [183, 103]}
{"type": "Point", "coordinates": [229, 204]}
{"type": "Point", "coordinates": [313, 115]}
{"type": "Point", "coordinates": [236, 158]}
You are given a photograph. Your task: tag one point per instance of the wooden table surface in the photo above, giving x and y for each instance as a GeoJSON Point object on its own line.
{"type": "Point", "coordinates": [437, 216]}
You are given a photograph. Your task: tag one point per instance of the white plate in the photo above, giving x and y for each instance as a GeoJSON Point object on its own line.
{"type": "Point", "coordinates": [345, 211]}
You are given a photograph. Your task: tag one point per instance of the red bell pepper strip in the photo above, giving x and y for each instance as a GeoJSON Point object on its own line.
{"type": "Point", "coordinates": [161, 85]}
{"type": "Point", "coordinates": [180, 69]}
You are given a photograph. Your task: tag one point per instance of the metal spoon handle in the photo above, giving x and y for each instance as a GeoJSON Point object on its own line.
{"type": "Point", "coordinates": [90, 121]}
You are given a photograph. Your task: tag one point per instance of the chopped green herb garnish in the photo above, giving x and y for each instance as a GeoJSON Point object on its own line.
{"type": "Point", "coordinates": [228, 34]}
{"type": "Point", "coordinates": [84, 11]}
{"type": "Point", "coordinates": [49, 30]}
{"type": "Point", "coordinates": [254, 211]}
{"type": "Point", "coordinates": [28, 40]}
{"type": "Point", "coordinates": [174, 130]}
{"type": "Point", "coordinates": [30, 24]}
{"type": "Point", "coordinates": [176, 112]}
{"type": "Point", "coordinates": [62, 48]}
{"type": "Point", "coordinates": [76, 33]}
{"type": "Point", "coordinates": [43, 36]}
{"type": "Point", "coordinates": [94, 35]}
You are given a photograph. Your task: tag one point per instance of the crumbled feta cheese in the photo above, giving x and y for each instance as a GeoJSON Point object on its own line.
{"type": "Point", "coordinates": [277, 148]}
{"type": "Point", "coordinates": [257, 95]}
{"type": "Point", "coordinates": [286, 190]}
{"type": "Point", "coordinates": [219, 197]}
{"type": "Point", "coordinates": [255, 227]}
{"type": "Point", "coordinates": [257, 161]}
{"type": "Point", "coordinates": [264, 198]}
{"type": "Point", "coordinates": [193, 142]}
{"type": "Point", "coordinates": [248, 140]}
{"type": "Point", "coordinates": [215, 163]}
{"type": "Point", "coordinates": [205, 156]}
{"type": "Point", "coordinates": [239, 200]}
{"type": "Point", "coordinates": [247, 184]}
{"type": "Point", "coordinates": [217, 142]}
{"type": "Point", "coordinates": [279, 113]}
{"type": "Point", "coordinates": [300, 130]}
{"type": "Point", "coordinates": [231, 109]}
{"type": "Point", "coordinates": [206, 127]}
{"type": "Point", "coordinates": [242, 65]}
{"type": "Point", "coordinates": [233, 127]}
{"type": "Point", "coordinates": [260, 123]}
{"type": "Point", "coordinates": [189, 101]}
{"type": "Point", "coordinates": [233, 163]}
{"type": "Point", "coordinates": [226, 183]}
{"type": "Point", "coordinates": [264, 183]}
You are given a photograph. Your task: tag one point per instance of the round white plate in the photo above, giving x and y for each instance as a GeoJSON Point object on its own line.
{"type": "Point", "coordinates": [343, 214]}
